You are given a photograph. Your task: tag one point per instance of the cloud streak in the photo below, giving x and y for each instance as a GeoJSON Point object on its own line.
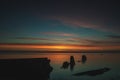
{"type": "Point", "coordinates": [59, 34]}
{"type": "Point", "coordinates": [46, 40]}
{"type": "Point", "coordinates": [98, 23]}
{"type": "Point", "coordinates": [117, 37]}
{"type": "Point", "coordinates": [94, 42]}
{"type": "Point", "coordinates": [31, 38]}
{"type": "Point", "coordinates": [103, 42]}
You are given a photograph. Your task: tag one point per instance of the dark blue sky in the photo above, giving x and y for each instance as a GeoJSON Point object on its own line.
{"type": "Point", "coordinates": [92, 22]}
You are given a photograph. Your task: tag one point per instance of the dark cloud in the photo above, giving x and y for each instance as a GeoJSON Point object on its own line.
{"type": "Point", "coordinates": [103, 42]}
{"type": "Point", "coordinates": [73, 41]}
{"type": "Point", "coordinates": [44, 40]}
{"type": "Point", "coordinates": [33, 38]}
{"type": "Point", "coordinates": [114, 37]}
{"type": "Point", "coordinates": [94, 42]}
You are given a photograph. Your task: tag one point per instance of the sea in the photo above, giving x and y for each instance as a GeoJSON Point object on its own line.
{"type": "Point", "coordinates": [93, 61]}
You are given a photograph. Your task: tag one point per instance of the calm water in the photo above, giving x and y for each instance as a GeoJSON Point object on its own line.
{"type": "Point", "coordinates": [94, 61]}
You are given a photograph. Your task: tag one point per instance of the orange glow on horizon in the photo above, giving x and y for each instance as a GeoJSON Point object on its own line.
{"type": "Point", "coordinates": [55, 47]}
{"type": "Point", "coordinates": [60, 47]}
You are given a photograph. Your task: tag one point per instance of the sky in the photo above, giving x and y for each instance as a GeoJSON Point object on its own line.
{"type": "Point", "coordinates": [59, 25]}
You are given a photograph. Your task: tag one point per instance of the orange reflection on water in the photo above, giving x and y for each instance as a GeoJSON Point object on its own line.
{"type": "Point", "coordinates": [59, 58]}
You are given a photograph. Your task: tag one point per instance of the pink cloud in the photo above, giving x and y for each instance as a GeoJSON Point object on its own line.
{"type": "Point", "coordinates": [88, 22]}
{"type": "Point", "coordinates": [78, 22]}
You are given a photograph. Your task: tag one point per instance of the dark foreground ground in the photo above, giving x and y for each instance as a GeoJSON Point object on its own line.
{"type": "Point", "coordinates": [25, 69]}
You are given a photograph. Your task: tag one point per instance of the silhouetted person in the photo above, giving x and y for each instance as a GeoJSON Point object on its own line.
{"type": "Point", "coordinates": [65, 65]}
{"type": "Point", "coordinates": [72, 63]}
{"type": "Point", "coordinates": [84, 58]}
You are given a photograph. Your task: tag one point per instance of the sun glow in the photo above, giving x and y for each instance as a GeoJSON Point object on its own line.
{"type": "Point", "coordinates": [60, 47]}
{"type": "Point", "coordinates": [56, 47]}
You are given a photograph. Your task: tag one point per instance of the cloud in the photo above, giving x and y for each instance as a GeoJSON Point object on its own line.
{"type": "Point", "coordinates": [76, 40]}
{"type": "Point", "coordinates": [59, 34]}
{"type": "Point", "coordinates": [44, 40]}
{"type": "Point", "coordinates": [103, 42]}
{"type": "Point", "coordinates": [98, 23]}
{"type": "Point", "coordinates": [94, 42]}
{"type": "Point", "coordinates": [114, 37]}
{"type": "Point", "coordinates": [115, 40]}
{"type": "Point", "coordinates": [33, 38]}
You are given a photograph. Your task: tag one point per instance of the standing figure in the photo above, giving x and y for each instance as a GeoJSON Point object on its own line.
{"type": "Point", "coordinates": [72, 63]}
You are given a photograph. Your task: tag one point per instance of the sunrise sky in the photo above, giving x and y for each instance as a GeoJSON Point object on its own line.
{"type": "Point", "coordinates": [59, 25]}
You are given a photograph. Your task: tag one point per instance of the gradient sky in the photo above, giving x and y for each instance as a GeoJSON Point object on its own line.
{"type": "Point", "coordinates": [73, 23]}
